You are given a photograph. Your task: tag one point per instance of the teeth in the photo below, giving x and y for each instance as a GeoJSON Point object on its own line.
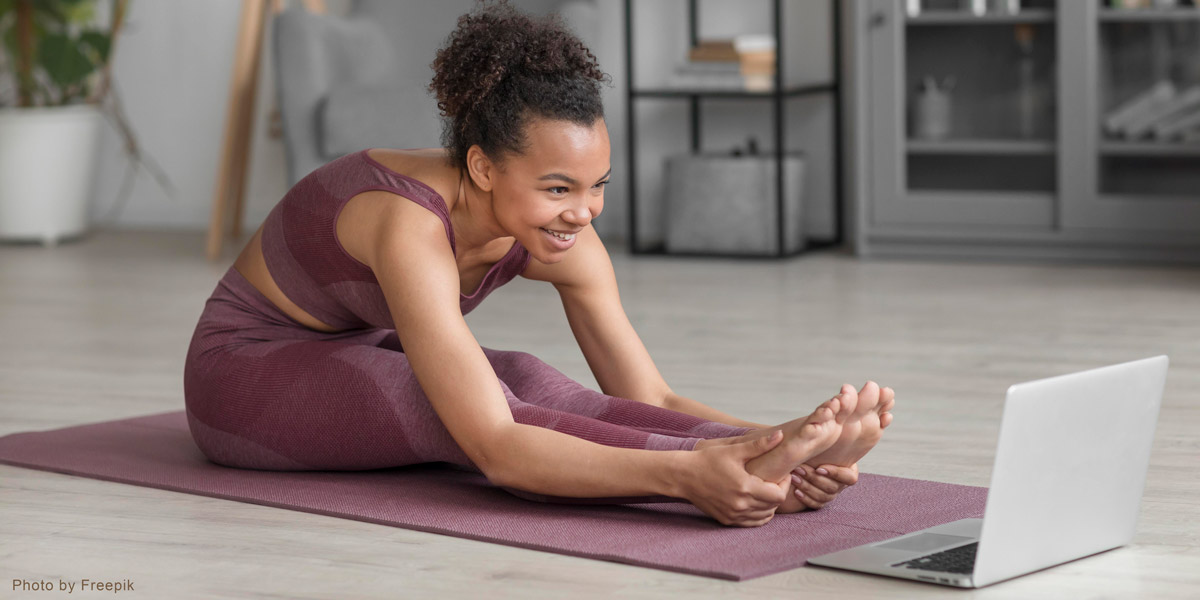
{"type": "Point", "coordinates": [561, 236]}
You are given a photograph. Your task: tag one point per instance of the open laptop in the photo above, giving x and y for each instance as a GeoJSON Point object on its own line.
{"type": "Point", "coordinates": [1067, 483]}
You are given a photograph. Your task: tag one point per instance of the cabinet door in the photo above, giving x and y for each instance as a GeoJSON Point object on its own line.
{"type": "Point", "coordinates": [1131, 158]}
{"type": "Point", "coordinates": [987, 156]}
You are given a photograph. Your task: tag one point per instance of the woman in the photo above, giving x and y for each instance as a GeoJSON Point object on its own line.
{"type": "Point", "coordinates": [336, 341]}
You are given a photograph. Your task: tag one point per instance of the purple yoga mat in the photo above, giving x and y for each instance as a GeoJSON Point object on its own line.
{"type": "Point", "coordinates": [157, 451]}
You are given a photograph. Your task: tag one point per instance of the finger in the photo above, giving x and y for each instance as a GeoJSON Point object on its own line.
{"type": "Point", "coordinates": [765, 492]}
{"type": "Point", "coordinates": [750, 518]}
{"type": "Point", "coordinates": [759, 515]}
{"type": "Point", "coordinates": [840, 474]}
{"type": "Point", "coordinates": [758, 523]}
{"type": "Point", "coordinates": [757, 504]}
{"type": "Point", "coordinates": [825, 484]}
{"type": "Point", "coordinates": [808, 489]}
{"type": "Point", "coordinates": [762, 445]}
{"type": "Point", "coordinates": [807, 500]}
{"type": "Point", "coordinates": [811, 491]}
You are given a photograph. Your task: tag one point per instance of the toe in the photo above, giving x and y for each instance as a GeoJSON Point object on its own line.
{"type": "Point", "coordinates": [868, 398]}
{"type": "Point", "coordinates": [886, 406]}
{"type": "Point", "coordinates": [849, 401]}
{"type": "Point", "coordinates": [884, 420]}
{"type": "Point", "coordinates": [834, 405]}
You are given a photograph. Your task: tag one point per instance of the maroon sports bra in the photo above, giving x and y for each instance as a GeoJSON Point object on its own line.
{"type": "Point", "coordinates": [309, 264]}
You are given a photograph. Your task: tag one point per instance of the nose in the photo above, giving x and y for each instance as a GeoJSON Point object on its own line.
{"type": "Point", "coordinates": [580, 214]}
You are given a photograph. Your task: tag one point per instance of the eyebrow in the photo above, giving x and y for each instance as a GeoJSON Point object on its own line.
{"type": "Point", "coordinates": [571, 180]}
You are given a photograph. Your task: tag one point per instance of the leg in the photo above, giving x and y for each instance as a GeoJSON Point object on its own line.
{"type": "Point", "coordinates": [536, 382]}
{"type": "Point", "coordinates": [262, 393]}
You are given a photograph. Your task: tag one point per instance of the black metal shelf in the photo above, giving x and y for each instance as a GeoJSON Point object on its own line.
{"type": "Point", "coordinates": [776, 95]}
{"type": "Point", "coordinates": [791, 92]}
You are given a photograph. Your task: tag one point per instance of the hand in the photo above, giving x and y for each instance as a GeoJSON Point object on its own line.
{"type": "Point", "coordinates": [817, 489]}
{"type": "Point", "coordinates": [715, 481]}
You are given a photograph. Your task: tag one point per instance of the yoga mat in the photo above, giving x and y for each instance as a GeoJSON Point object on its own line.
{"type": "Point", "coordinates": [157, 451]}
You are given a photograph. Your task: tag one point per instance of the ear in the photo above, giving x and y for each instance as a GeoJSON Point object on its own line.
{"type": "Point", "coordinates": [481, 168]}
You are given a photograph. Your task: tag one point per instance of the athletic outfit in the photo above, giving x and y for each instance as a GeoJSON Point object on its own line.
{"type": "Point", "coordinates": [263, 391]}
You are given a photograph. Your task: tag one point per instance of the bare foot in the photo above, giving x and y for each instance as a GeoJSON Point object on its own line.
{"type": "Point", "coordinates": [863, 429]}
{"type": "Point", "coordinates": [803, 438]}
{"type": "Point", "coordinates": [819, 493]}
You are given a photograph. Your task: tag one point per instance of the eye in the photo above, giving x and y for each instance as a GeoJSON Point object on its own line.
{"type": "Point", "coordinates": [558, 189]}
{"type": "Point", "coordinates": [601, 184]}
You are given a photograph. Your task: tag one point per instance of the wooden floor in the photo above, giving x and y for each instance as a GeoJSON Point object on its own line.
{"type": "Point", "coordinates": [97, 329]}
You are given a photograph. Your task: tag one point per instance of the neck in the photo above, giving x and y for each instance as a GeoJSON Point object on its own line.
{"type": "Point", "coordinates": [472, 218]}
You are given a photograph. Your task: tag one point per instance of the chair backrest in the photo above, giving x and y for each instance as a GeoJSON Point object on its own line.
{"type": "Point", "coordinates": [314, 54]}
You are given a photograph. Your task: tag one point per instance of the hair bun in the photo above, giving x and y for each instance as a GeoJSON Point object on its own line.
{"type": "Point", "coordinates": [496, 46]}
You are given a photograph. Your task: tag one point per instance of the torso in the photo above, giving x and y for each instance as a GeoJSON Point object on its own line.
{"type": "Point", "coordinates": [357, 217]}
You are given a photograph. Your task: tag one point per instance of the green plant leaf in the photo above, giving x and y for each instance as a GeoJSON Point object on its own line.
{"type": "Point", "coordinates": [100, 42]}
{"type": "Point", "coordinates": [60, 56]}
{"type": "Point", "coordinates": [49, 11]}
{"type": "Point", "coordinates": [79, 12]}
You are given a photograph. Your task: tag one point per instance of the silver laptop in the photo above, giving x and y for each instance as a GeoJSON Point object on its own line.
{"type": "Point", "coordinates": [1067, 483]}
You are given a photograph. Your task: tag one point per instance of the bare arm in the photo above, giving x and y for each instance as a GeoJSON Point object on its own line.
{"type": "Point", "coordinates": [682, 404]}
{"type": "Point", "coordinates": [414, 265]}
{"type": "Point", "coordinates": [616, 355]}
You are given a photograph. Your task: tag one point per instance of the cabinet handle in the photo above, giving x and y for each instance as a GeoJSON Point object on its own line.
{"type": "Point", "coordinates": [878, 19]}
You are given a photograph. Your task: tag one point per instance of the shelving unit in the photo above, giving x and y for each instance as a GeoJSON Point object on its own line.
{"type": "Point", "coordinates": [989, 189]}
{"type": "Point", "coordinates": [945, 17]}
{"type": "Point", "coordinates": [776, 97]}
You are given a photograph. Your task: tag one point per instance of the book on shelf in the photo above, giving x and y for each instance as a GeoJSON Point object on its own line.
{"type": "Point", "coordinates": [713, 51]}
{"type": "Point", "coordinates": [1143, 124]}
{"type": "Point", "coordinates": [1147, 101]}
{"type": "Point", "coordinates": [746, 62]}
{"type": "Point", "coordinates": [1177, 126]}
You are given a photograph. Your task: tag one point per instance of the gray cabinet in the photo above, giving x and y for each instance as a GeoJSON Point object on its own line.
{"type": "Point", "coordinates": [985, 135]}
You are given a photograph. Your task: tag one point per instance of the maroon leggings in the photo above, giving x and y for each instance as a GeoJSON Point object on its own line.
{"type": "Point", "coordinates": [264, 392]}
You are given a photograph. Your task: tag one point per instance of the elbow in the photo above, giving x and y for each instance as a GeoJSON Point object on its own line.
{"type": "Point", "coordinates": [493, 457]}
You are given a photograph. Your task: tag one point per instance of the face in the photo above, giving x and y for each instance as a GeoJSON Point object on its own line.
{"type": "Point", "coordinates": [556, 185]}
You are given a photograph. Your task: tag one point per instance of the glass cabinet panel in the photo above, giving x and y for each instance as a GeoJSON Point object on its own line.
{"type": "Point", "coordinates": [980, 88]}
{"type": "Point", "coordinates": [1149, 98]}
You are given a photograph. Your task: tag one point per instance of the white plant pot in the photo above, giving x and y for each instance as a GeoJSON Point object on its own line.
{"type": "Point", "coordinates": [47, 164]}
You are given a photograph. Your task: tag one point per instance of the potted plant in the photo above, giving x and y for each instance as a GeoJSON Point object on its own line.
{"type": "Point", "coordinates": [57, 61]}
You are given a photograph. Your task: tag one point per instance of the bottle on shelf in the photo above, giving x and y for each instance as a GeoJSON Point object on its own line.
{"type": "Point", "coordinates": [1027, 109]}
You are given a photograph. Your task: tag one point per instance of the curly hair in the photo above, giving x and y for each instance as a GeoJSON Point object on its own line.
{"type": "Point", "coordinates": [500, 67]}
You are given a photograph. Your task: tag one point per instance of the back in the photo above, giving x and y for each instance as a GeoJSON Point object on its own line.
{"type": "Point", "coordinates": [307, 261]}
{"type": "Point", "coordinates": [1070, 467]}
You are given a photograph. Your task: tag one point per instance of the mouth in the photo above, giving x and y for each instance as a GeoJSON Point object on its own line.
{"type": "Point", "coordinates": [559, 241]}
{"type": "Point", "coordinates": [566, 237]}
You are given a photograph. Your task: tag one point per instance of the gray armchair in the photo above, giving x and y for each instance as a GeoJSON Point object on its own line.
{"type": "Point", "coordinates": [343, 86]}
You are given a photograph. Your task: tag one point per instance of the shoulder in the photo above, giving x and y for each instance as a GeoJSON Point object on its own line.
{"type": "Point", "coordinates": [585, 265]}
{"type": "Point", "coordinates": [376, 218]}
{"type": "Point", "coordinates": [426, 165]}
{"type": "Point", "coordinates": [400, 225]}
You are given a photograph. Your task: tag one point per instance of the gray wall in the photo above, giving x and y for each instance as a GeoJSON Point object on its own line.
{"type": "Point", "coordinates": [173, 65]}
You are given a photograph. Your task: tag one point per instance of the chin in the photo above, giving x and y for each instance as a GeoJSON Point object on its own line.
{"type": "Point", "coordinates": [552, 258]}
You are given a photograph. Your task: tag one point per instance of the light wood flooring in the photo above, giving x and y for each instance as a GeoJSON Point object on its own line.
{"type": "Point", "coordinates": [97, 329]}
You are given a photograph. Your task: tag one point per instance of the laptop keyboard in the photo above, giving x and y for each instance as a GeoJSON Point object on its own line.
{"type": "Point", "coordinates": [955, 560]}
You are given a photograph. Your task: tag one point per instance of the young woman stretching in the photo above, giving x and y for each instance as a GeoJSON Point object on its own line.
{"type": "Point", "coordinates": [336, 341]}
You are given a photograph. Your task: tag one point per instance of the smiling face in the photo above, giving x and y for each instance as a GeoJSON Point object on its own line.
{"type": "Point", "coordinates": [555, 187]}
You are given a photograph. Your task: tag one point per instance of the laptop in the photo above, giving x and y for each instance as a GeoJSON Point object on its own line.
{"type": "Point", "coordinates": [1067, 483]}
